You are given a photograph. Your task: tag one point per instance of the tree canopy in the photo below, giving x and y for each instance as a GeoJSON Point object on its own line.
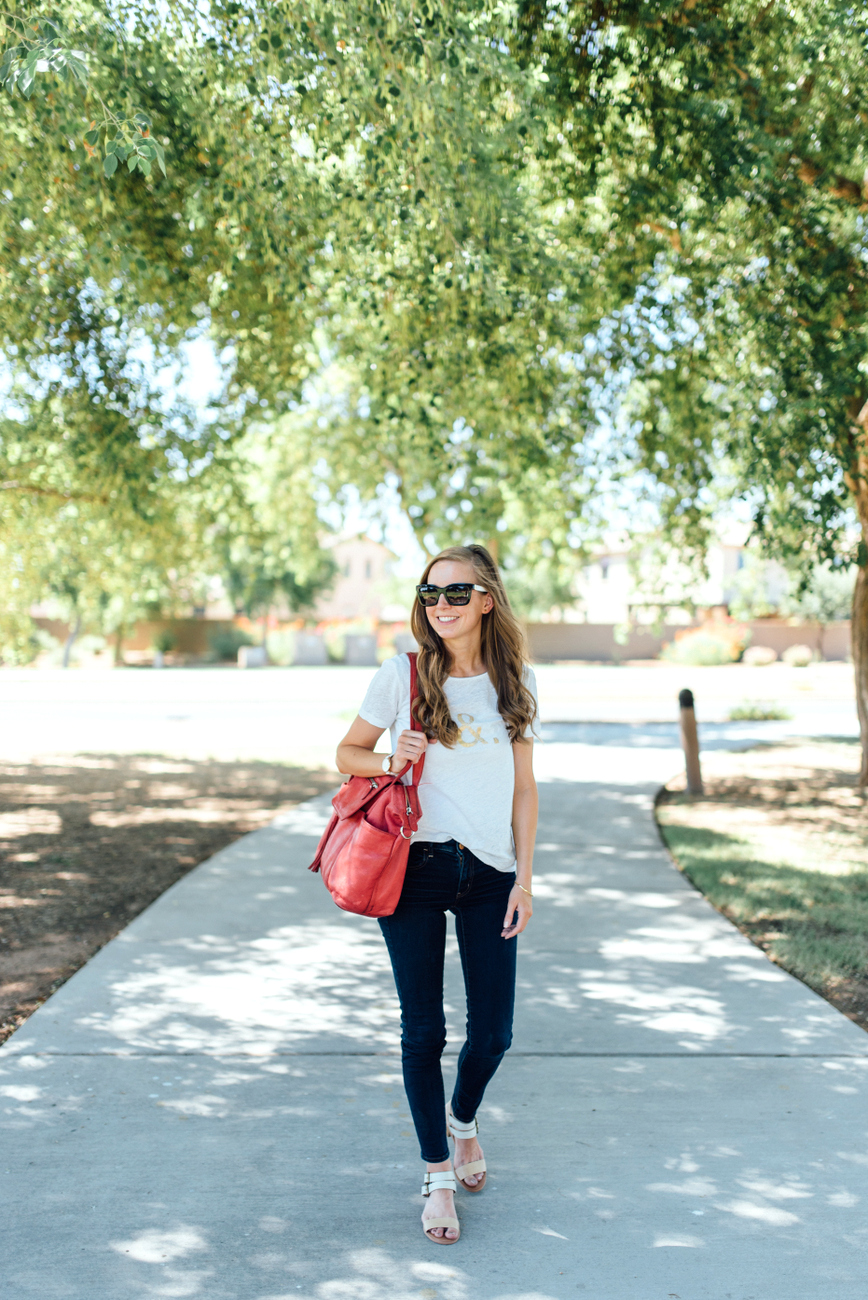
{"type": "Point", "coordinates": [472, 231]}
{"type": "Point", "coordinates": [363, 190]}
{"type": "Point", "coordinates": [729, 143]}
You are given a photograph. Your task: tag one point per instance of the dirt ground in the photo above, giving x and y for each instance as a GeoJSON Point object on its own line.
{"type": "Point", "coordinates": [779, 844]}
{"type": "Point", "coordinates": [88, 841]}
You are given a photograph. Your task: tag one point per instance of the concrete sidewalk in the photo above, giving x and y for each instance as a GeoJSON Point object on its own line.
{"type": "Point", "coordinates": [213, 1107]}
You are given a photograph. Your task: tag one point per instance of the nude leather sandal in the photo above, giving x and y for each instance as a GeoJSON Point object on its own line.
{"type": "Point", "coordinates": [444, 1181]}
{"type": "Point", "coordinates": [456, 1129]}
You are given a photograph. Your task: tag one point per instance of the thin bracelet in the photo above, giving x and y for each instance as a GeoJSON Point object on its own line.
{"type": "Point", "coordinates": [527, 891]}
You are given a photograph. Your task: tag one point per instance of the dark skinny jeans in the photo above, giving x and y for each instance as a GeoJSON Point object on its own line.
{"type": "Point", "coordinates": [445, 878]}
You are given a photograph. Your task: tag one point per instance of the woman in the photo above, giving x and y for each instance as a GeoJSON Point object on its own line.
{"type": "Point", "coordinates": [472, 854]}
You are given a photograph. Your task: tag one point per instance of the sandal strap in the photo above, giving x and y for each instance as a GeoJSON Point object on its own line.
{"type": "Point", "coordinates": [458, 1128]}
{"type": "Point", "coordinates": [440, 1223]}
{"type": "Point", "coordinates": [444, 1181]}
{"type": "Point", "coordinates": [474, 1167]}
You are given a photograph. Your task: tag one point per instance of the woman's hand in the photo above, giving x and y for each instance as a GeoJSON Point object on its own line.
{"type": "Point", "coordinates": [356, 757]}
{"type": "Point", "coordinates": [521, 902]}
{"type": "Point", "coordinates": [410, 748]}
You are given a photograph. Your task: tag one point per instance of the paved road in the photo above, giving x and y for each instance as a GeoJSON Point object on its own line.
{"type": "Point", "coordinates": [299, 714]}
{"type": "Point", "coordinates": [212, 1107]}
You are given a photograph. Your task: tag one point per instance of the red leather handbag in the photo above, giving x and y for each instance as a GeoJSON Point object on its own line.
{"type": "Point", "coordinates": [363, 852]}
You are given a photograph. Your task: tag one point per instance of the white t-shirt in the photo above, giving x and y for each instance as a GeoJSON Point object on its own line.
{"type": "Point", "coordinates": [465, 792]}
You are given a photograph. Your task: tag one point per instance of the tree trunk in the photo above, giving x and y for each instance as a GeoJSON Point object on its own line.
{"type": "Point", "coordinates": [859, 639]}
{"type": "Point", "coordinates": [119, 647]}
{"type": "Point", "coordinates": [857, 482]}
{"type": "Point", "coordinates": [70, 641]}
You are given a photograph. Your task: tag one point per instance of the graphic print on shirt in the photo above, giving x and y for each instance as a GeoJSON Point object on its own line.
{"type": "Point", "coordinates": [464, 721]}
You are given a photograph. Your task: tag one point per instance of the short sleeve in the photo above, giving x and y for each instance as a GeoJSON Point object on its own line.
{"type": "Point", "coordinates": [532, 731]}
{"type": "Point", "coordinates": [384, 696]}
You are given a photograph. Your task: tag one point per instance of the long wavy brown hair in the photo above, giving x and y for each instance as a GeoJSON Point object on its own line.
{"type": "Point", "coordinates": [504, 653]}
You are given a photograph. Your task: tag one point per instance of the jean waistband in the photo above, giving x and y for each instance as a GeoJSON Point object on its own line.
{"type": "Point", "coordinates": [442, 846]}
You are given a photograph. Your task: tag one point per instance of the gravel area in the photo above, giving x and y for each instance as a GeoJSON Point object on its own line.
{"type": "Point", "coordinates": [88, 841]}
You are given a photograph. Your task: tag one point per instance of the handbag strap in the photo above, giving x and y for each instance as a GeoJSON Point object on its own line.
{"type": "Point", "coordinates": [414, 725]}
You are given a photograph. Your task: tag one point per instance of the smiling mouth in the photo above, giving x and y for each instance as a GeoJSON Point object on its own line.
{"type": "Point", "coordinates": [447, 618]}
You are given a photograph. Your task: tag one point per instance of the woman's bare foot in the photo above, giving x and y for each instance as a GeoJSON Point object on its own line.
{"type": "Point", "coordinates": [440, 1204]}
{"type": "Point", "coordinates": [466, 1151]}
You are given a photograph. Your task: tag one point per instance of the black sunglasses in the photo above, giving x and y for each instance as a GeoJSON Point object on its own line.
{"type": "Point", "coordinates": [457, 593]}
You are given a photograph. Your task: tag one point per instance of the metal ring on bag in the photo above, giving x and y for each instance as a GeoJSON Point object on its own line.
{"type": "Point", "coordinates": [406, 837]}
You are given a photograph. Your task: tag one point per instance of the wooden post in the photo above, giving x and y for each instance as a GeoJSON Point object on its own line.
{"type": "Point", "coordinates": [690, 742]}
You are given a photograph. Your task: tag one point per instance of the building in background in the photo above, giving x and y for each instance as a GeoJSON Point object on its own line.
{"type": "Point", "coordinates": [624, 585]}
{"type": "Point", "coordinates": [360, 590]}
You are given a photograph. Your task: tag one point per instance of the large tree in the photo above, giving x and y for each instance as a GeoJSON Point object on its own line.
{"type": "Point", "coordinates": [359, 183]}
{"type": "Point", "coordinates": [724, 144]}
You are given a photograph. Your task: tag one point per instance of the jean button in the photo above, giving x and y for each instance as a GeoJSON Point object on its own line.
{"type": "Point", "coordinates": [461, 846]}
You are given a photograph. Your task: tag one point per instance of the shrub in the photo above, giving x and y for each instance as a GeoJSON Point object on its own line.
{"type": "Point", "coordinates": [759, 656]}
{"type": "Point", "coordinates": [227, 641]}
{"type": "Point", "coordinates": [758, 711]}
{"type": "Point", "coordinates": [718, 641]}
{"type": "Point", "coordinates": [24, 646]}
{"type": "Point", "coordinates": [699, 649]}
{"type": "Point", "coordinates": [281, 646]}
{"type": "Point", "coordinates": [164, 640]}
{"type": "Point", "coordinates": [798, 656]}
{"type": "Point", "coordinates": [335, 635]}
{"type": "Point", "coordinates": [336, 644]}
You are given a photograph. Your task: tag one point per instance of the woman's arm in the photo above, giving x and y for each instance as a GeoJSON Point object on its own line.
{"type": "Point", "coordinates": [525, 808]}
{"type": "Point", "coordinates": [356, 757]}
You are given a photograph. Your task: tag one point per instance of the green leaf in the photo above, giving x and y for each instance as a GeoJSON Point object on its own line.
{"type": "Point", "coordinates": [133, 162]}
{"type": "Point", "coordinates": [92, 137]}
{"type": "Point", "coordinates": [76, 61]}
{"type": "Point", "coordinates": [144, 165]}
{"type": "Point", "coordinates": [110, 164]}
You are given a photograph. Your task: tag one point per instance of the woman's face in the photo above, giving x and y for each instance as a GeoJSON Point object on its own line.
{"type": "Point", "coordinates": [452, 621]}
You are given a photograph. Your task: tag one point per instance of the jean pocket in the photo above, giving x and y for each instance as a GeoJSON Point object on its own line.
{"type": "Point", "coordinates": [417, 857]}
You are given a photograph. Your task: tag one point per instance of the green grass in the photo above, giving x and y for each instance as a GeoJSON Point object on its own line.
{"type": "Point", "coordinates": [813, 923]}
{"type": "Point", "coordinates": [758, 711]}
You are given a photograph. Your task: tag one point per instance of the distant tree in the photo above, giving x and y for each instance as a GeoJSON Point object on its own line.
{"type": "Point", "coordinates": [826, 598]}
{"type": "Point", "coordinates": [823, 595]}
{"type": "Point", "coordinates": [268, 538]}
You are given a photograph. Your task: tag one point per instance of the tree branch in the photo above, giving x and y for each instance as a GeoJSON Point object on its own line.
{"type": "Point", "coordinates": [13, 485]}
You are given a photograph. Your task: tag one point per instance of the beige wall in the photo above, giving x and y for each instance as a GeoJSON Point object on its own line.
{"type": "Point", "coordinates": [550, 641]}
